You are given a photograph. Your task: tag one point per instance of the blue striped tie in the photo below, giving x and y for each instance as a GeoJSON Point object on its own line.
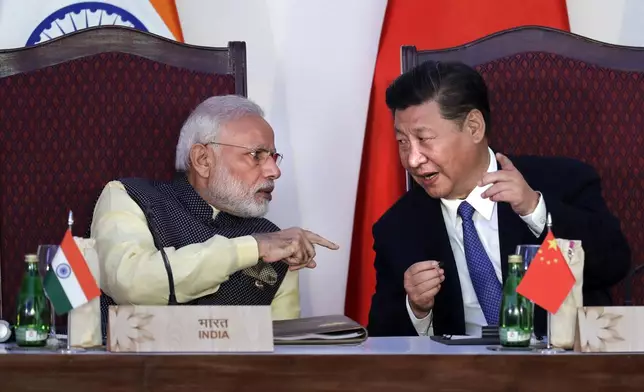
{"type": "Point", "coordinates": [486, 285]}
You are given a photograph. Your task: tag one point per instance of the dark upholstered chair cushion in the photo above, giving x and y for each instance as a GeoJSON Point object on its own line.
{"type": "Point", "coordinates": [549, 105]}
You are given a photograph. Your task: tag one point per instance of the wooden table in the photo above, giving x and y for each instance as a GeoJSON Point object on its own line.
{"type": "Point", "coordinates": [380, 364]}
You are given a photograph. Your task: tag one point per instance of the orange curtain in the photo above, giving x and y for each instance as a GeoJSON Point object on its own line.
{"type": "Point", "coordinates": [427, 25]}
{"type": "Point", "coordinates": [168, 12]}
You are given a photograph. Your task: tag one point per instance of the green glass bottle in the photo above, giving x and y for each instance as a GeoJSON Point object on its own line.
{"type": "Point", "coordinates": [515, 321]}
{"type": "Point", "coordinates": [32, 319]}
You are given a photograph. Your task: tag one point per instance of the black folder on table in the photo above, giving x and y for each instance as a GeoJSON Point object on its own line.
{"type": "Point", "coordinates": [489, 336]}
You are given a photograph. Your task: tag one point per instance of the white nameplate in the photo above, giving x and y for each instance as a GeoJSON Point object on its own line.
{"type": "Point", "coordinates": [610, 329]}
{"type": "Point", "coordinates": [133, 328]}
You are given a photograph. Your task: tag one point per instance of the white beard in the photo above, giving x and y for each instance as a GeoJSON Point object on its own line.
{"type": "Point", "coordinates": [229, 194]}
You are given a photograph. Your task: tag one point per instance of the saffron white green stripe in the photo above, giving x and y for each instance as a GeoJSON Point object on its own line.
{"type": "Point", "coordinates": [69, 282]}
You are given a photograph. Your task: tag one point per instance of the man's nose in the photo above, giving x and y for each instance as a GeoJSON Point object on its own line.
{"type": "Point", "coordinates": [415, 158]}
{"type": "Point", "coordinates": [271, 170]}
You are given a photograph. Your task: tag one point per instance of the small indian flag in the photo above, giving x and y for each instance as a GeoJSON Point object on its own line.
{"type": "Point", "coordinates": [69, 283]}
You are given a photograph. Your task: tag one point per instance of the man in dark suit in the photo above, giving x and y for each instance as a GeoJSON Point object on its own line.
{"type": "Point", "coordinates": [442, 249]}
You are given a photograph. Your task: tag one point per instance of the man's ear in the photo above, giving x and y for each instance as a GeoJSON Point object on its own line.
{"type": "Point", "coordinates": [474, 125]}
{"type": "Point", "coordinates": [201, 159]}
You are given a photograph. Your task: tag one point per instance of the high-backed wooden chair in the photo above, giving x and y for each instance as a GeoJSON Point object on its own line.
{"type": "Point", "coordinates": [553, 93]}
{"type": "Point", "coordinates": [86, 108]}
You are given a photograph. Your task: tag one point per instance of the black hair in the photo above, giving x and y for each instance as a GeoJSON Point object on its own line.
{"type": "Point", "coordinates": [456, 87]}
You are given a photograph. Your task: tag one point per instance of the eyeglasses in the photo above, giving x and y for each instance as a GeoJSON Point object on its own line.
{"type": "Point", "coordinates": [260, 155]}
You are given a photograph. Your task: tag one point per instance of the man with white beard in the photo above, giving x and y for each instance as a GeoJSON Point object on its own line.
{"type": "Point", "coordinates": [202, 238]}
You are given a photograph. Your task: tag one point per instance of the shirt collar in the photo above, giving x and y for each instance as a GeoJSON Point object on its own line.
{"type": "Point", "coordinates": [214, 211]}
{"type": "Point", "coordinates": [485, 207]}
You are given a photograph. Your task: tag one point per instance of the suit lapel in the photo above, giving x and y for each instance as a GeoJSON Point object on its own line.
{"type": "Point", "coordinates": [511, 230]}
{"type": "Point", "coordinates": [448, 308]}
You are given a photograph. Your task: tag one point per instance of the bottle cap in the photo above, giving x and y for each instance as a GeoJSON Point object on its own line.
{"type": "Point", "coordinates": [515, 259]}
{"type": "Point", "coordinates": [5, 331]}
{"type": "Point", "coordinates": [31, 258]}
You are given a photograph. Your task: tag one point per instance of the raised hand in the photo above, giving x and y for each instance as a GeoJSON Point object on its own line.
{"type": "Point", "coordinates": [295, 246]}
{"type": "Point", "coordinates": [422, 282]}
{"type": "Point", "coordinates": [509, 186]}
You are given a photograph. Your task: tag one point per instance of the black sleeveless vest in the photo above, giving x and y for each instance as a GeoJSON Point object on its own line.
{"type": "Point", "coordinates": [178, 217]}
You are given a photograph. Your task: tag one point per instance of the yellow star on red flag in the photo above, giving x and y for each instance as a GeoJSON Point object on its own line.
{"type": "Point", "coordinates": [552, 244]}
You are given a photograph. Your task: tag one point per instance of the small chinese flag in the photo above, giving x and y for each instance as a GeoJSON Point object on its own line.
{"type": "Point", "coordinates": [548, 279]}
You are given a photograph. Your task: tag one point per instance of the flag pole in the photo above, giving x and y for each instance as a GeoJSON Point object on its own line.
{"type": "Point", "coordinates": [550, 349]}
{"type": "Point", "coordinates": [549, 321]}
{"type": "Point", "coordinates": [70, 223]}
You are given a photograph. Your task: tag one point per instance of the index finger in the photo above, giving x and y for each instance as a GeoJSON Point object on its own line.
{"type": "Point", "coordinates": [318, 239]}
{"type": "Point", "coordinates": [506, 163]}
{"type": "Point", "coordinates": [424, 266]}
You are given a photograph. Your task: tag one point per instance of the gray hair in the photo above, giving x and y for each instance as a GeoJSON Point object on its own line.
{"type": "Point", "coordinates": [205, 122]}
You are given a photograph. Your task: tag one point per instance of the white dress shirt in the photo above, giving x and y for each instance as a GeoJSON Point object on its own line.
{"type": "Point", "coordinates": [487, 225]}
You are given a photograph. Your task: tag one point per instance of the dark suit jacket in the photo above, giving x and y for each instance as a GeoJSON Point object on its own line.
{"type": "Point", "coordinates": [413, 230]}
